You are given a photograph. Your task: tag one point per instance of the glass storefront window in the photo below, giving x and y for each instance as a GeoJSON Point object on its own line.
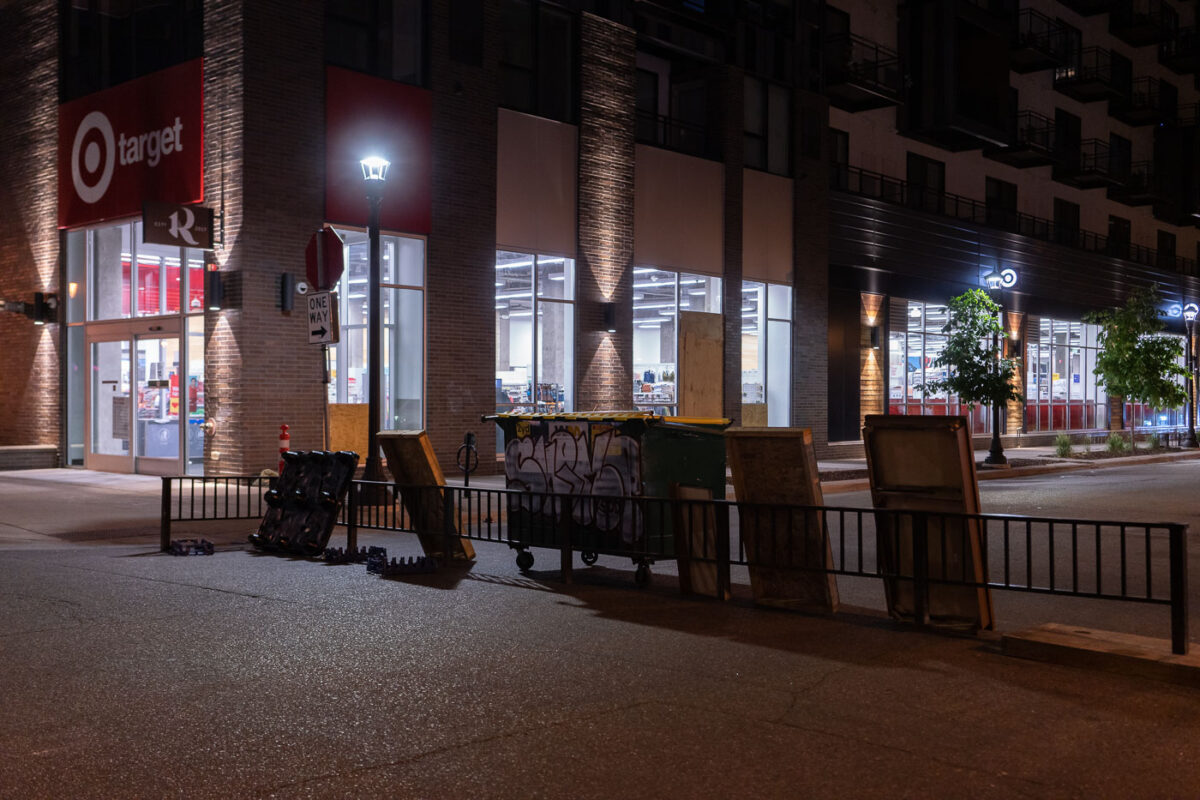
{"type": "Point", "coordinates": [1061, 389]}
{"type": "Point", "coordinates": [766, 349]}
{"type": "Point", "coordinates": [658, 297]}
{"type": "Point", "coordinates": [402, 296]}
{"type": "Point", "coordinates": [118, 264]}
{"type": "Point", "coordinates": [535, 333]}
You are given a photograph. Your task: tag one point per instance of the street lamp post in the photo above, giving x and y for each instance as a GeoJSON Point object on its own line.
{"type": "Point", "coordinates": [1189, 319]}
{"type": "Point", "coordinates": [995, 456]}
{"type": "Point", "coordinates": [374, 171]}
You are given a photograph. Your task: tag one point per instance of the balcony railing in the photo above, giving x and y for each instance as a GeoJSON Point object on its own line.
{"type": "Point", "coordinates": [1089, 76]}
{"type": "Point", "coordinates": [1090, 164]}
{"type": "Point", "coordinates": [1149, 102]}
{"type": "Point", "coordinates": [1143, 22]}
{"type": "Point", "coordinates": [673, 134]}
{"type": "Point", "coordinates": [860, 74]}
{"type": "Point", "coordinates": [865, 183]}
{"type": "Point", "coordinates": [1179, 53]}
{"type": "Point", "coordinates": [1142, 186]}
{"type": "Point", "coordinates": [1038, 42]}
{"type": "Point", "coordinates": [1031, 142]}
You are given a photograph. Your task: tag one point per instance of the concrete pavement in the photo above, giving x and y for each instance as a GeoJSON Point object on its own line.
{"type": "Point", "coordinates": [126, 673]}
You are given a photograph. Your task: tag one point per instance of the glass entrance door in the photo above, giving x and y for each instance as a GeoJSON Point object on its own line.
{"type": "Point", "coordinates": [138, 401]}
{"type": "Point", "coordinates": [158, 427]}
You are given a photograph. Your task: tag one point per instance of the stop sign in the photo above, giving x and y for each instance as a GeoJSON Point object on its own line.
{"type": "Point", "coordinates": [323, 260]}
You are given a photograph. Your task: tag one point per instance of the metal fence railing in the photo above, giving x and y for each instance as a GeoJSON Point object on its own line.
{"type": "Point", "coordinates": [917, 551]}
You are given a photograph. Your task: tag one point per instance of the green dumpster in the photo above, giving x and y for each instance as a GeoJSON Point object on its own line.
{"type": "Point", "coordinates": [575, 462]}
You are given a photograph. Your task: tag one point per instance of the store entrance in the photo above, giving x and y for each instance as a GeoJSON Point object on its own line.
{"type": "Point", "coordinates": [140, 400]}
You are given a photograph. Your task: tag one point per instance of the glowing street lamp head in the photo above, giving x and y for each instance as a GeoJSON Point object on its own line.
{"type": "Point", "coordinates": [1189, 312]}
{"type": "Point", "coordinates": [375, 169]}
{"type": "Point", "coordinates": [993, 279]}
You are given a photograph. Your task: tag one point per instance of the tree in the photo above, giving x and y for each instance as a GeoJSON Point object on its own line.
{"type": "Point", "coordinates": [1134, 362]}
{"type": "Point", "coordinates": [978, 371]}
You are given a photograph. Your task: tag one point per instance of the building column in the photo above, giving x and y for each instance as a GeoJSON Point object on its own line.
{"type": "Point", "coordinates": [810, 226]}
{"type": "Point", "coordinates": [1014, 326]}
{"type": "Point", "coordinates": [604, 268]}
{"type": "Point", "coordinates": [872, 398]}
{"type": "Point", "coordinates": [730, 127]}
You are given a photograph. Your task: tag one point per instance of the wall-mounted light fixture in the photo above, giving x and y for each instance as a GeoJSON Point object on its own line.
{"type": "Point", "coordinates": [43, 308]}
{"type": "Point", "coordinates": [876, 336]}
{"type": "Point", "coordinates": [72, 289]}
{"type": "Point", "coordinates": [287, 291]}
{"type": "Point", "coordinates": [213, 290]}
{"type": "Point", "coordinates": [610, 317]}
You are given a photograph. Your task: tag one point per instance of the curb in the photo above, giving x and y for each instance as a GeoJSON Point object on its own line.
{"type": "Point", "coordinates": [859, 484]}
{"type": "Point", "coordinates": [1106, 651]}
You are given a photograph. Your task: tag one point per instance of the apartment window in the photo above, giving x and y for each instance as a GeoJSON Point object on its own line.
{"type": "Point", "coordinates": [1067, 133]}
{"type": "Point", "coordinates": [1066, 221]}
{"type": "Point", "coordinates": [1166, 250]}
{"type": "Point", "coordinates": [926, 183]}
{"type": "Point", "coordinates": [767, 122]}
{"type": "Point", "coordinates": [466, 32]}
{"type": "Point", "coordinates": [106, 43]}
{"type": "Point", "coordinates": [1118, 237]}
{"type": "Point", "coordinates": [385, 38]}
{"type": "Point", "coordinates": [1120, 155]}
{"type": "Point", "coordinates": [1001, 200]}
{"type": "Point", "coordinates": [839, 157]}
{"type": "Point", "coordinates": [537, 59]}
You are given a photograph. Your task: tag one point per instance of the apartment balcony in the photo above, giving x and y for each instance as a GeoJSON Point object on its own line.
{"type": "Point", "coordinates": [860, 74]}
{"type": "Point", "coordinates": [1180, 53]}
{"type": "Point", "coordinates": [1141, 187]}
{"type": "Point", "coordinates": [1031, 142]}
{"type": "Point", "coordinates": [884, 188]}
{"type": "Point", "coordinates": [1038, 42]}
{"type": "Point", "coordinates": [1089, 77]}
{"type": "Point", "coordinates": [1089, 8]}
{"type": "Point", "coordinates": [1143, 22]}
{"type": "Point", "coordinates": [1089, 166]}
{"type": "Point", "coordinates": [673, 134]}
{"type": "Point", "coordinates": [1149, 102]}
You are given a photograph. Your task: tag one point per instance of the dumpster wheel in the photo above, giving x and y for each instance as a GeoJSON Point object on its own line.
{"type": "Point", "coordinates": [642, 576]}
{"type": "Point", "coordinates": [589, 557]}
{"type": "Point", "coordinates": [524, 560]}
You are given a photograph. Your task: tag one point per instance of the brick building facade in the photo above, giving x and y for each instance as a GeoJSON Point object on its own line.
{"type": "Point", "coordinates": [723, 154]}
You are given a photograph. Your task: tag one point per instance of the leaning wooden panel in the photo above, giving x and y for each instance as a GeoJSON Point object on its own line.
{"type": "Point", "coordinates": [695, 530]}
{"type": "Point", "coordinates": [788, 549]}
{"type": "Point", "coordinates": [411, 461]}
{"type": "Point", "coordinates": [927, 464]}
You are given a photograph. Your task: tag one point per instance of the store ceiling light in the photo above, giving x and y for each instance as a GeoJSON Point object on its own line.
{"type": "Point", "coordinates": [515, 264]}
{"type": "Point", "coordinates": [643, 270]}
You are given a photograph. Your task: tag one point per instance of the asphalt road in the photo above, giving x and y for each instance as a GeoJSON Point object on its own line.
{"type": "Point", "coordinates": [127, 673]}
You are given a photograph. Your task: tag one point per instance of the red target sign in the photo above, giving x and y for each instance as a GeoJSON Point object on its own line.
{"type": "Point", "coordinates": [141, 141]}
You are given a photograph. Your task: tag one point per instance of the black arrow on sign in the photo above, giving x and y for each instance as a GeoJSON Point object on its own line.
{"type": "Point", "coordinates": [318, 332]}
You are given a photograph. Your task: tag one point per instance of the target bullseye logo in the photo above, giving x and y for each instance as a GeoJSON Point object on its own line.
{"type": "Point", "coordinates": [93, 157]}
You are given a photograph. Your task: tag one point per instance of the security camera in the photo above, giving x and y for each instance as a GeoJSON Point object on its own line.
{"type": "Point", "coordinates": [301, 287]}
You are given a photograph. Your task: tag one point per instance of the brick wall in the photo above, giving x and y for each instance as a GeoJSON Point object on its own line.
{"type": "Point", "coordinates": [30, 398]}
{"type": "Point", "coordinates": [461, 329]}
{"type": "Point", "coordinates": [604, 361]}
{"type": "Point", "coordinates": [731, 130]}
{"type": "Point", "coordinates": [810, 226]}
{"type": "Point", "coordinates": [265, 122]}
{"type": "Point", "coordinates": [1014, 326]}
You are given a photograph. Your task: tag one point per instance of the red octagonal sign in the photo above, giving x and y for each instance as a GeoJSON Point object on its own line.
{"type": "Point", "coordinates": [323, 260]}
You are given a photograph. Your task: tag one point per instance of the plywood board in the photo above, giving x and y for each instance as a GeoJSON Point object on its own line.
{"type": "Point", "coordinates": [694, 526]}
{"type": "Point", "coordinates": [701, 364]}
{"type": "Point", "coordinates": [754, 415]}
{"type": "Point", "coordinates": [348, 427]}
{"type": "Point", "coordinates": [788, 548]}
{"type": "Point", "coordinates": [928, 464]}
{"type": "Point", "coordinates": [412, 463]}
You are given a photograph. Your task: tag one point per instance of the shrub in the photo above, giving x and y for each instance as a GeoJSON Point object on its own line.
{"type": "Point", "coordinates": [1116, 443]}
{"type": "Point", "coordinates": [1062, 446]}
{"type": "Point", "coordinates": [1154, 442]}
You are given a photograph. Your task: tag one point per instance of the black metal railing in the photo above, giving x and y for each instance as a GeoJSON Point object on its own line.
{"type": "Point", "coordinates": [193, 499]}
{"type": "Point", "coordinates": [674, 134]}
{"type": "Point", "coordinates": [1090, 64]}
{"type": "Point", "coordinates": [1037, 31]}
{"type": "Point", "coordinates": [853, 59]}
{"type": "Point", "coordinates": [1180, 49]}
{"type": "Point", "coordinates": [1146, 94]}
{"type": "Point", "coordinates": [1145, 13]}
{"type": "Point", "coordinates": [1034, 130]}
{"type": "Point", "coordinates": [865, 183]}
{"type": "Point", "coordinates": [918, 551]}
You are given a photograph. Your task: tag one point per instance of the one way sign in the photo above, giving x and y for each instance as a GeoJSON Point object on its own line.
{"type": "Point", "coordinates": [322, 318]}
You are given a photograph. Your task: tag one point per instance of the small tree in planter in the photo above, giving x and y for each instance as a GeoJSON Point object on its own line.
{"type": "Point", "coordinates": [1133, 361]}
{"type": "Point", "coordinates": [974, 357]}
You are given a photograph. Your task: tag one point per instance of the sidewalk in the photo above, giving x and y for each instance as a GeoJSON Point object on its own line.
{"type": "Point", "coordinates": [129, 673]}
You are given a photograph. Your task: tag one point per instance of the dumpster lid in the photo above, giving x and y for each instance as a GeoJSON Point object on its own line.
{"type": "Point", "coordinates": [614, 416]}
